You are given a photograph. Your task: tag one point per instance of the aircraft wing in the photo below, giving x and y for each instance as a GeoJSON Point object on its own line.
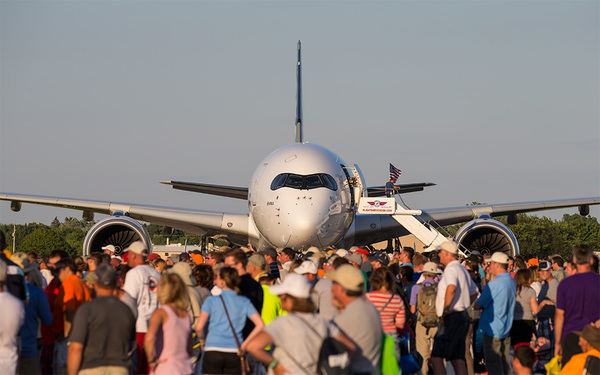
{"type": "Point", "coordinates": [193, 221]}
{"type": "Point", "coordinates": [220, 190]}
{"type": "Point", "coordinates": [375, 228]}
{"type": "Point", "coordinates": [455, 215]}
{"type": "Point", "coordinates": [379, 191]}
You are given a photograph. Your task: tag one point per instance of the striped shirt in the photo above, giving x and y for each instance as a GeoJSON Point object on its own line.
{"type": "Point", "coordinates": [393, 315]}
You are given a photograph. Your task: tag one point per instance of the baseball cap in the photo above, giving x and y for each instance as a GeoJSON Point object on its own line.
{"type": "Point", "coordinates": [341, 252]}
{"type": "Point", "coordinates": [431, 268]}
{"type": "Point", "coordinates": [175, 258]}
{"type": "Point", "coordinates": [545, 266]}
{"type": "Point", "coordinates": [105, 275]}
{"type": "Point", "coordinates": [348, 277]}
{"type": "Point", "coordinates": [292, 284]}
{"type": "Point", "coordinates": [449, 246]}
{"type": "Point", "coordinates": [356, 258]}
{"type": "Point", "coordinates": [306, 267]}
{"type": "Point", "coordinates": [184, 256]}
{"type": "Point", "coordinates": [153, 256]}
{"type": "Point", "coordinates": [184, 271]}
{"type": "Point", "coordinates": [270, 252]}
{"type": "Point", "coordinates": [138, 247]}
{"type": "Point", "coordinates": [258, 261]}
{"type": "Point", "coordinates": [198, 258]}
{"type": "Point", "coordinates": [533, 262]}
{"type": "Point", "coordinates": [109, 247]}
{"type": "Point", "coordinates": [591, 334]}
{"type": "Point", "coordinates": [362, 251]}
{"type": "Point", "coordinates": [379, 257]}
{"type": "Point", "coordinates": [499, 257]}
{"type": "Point", "coordinates": [22, 261]}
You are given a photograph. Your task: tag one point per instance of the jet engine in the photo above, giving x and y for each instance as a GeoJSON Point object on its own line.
{"type": "Point", "coordinates": [487, 236]}
{"type": "Point", "coordinates": [118, 230]}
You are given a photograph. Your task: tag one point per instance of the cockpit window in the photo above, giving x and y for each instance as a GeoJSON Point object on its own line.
{"type": "Point", "coordinates": [296, 181]}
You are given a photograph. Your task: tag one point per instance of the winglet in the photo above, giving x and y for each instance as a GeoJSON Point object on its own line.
{"type": "Point", "coordinates": [299, 137]}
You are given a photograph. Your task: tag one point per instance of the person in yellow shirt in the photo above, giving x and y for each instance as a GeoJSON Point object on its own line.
{"type": "Point", "coordinates": [589, 340]}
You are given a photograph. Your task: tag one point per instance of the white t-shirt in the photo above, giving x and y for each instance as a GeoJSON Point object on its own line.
{"type": "Point", "coordinates": [141, 283]}
{"type": "Point", "coordinates": [455, 274]}
{"type": "Point", "coordinates": [12, 317]}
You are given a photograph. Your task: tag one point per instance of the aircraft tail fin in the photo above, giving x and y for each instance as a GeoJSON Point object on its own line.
{"type": "Point", "coordinates": [299, 136]}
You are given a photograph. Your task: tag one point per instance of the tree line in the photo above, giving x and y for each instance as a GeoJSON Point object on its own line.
{"type": "Point", "coordinates": [537, 236]}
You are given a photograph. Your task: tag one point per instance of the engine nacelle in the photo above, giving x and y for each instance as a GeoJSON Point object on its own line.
{"type": "Point", "coordinates": [487, 235]}
{"type": "Point", "coordinates": [118, 230]}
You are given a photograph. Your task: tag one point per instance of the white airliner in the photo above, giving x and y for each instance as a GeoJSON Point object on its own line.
{"type": "Point", "coordinates": [300, 195]}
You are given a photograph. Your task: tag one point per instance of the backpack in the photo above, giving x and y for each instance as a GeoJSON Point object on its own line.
{"type": "Point", "coordinates": [333, 359]}
{"type": "Point", "coordinates": [426, 305]}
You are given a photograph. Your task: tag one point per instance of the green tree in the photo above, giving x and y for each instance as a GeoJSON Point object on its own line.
{"type": "Point", "coordinates": [43, 241]}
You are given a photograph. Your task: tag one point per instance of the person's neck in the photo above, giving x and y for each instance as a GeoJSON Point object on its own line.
{"type": "Point", "coordinates": [582, 268]}
{"type": "Point", "coordinates": [103, 292]}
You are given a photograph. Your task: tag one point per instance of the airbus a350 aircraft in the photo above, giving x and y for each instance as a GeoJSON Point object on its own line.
{"type": "Point", "coordinates": [303, 195]}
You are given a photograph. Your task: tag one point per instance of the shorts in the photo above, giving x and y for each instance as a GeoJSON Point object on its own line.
{"type": "Point", "coordinates": [449, 341]}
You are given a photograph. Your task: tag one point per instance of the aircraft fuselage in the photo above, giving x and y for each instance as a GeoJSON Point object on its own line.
{"type": "Point", "coordinates": [299, 196]}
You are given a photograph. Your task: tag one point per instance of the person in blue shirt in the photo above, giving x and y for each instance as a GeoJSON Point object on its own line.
{"type": "Point", "coordinates": [38, 309]}
{"type": "Point", "coordinates": [389, 188]}
{"type": "Point", "coordinates": [497, 301]}
{"type": "Point", "coordinates": [224, 314]}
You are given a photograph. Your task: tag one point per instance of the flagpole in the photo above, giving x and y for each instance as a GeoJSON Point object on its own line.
{"type": "Point", "coordinates": [14, 236]}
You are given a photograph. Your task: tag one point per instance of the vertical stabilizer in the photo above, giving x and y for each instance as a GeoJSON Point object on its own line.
{"type": "Point", "coordinates": [299, 136]}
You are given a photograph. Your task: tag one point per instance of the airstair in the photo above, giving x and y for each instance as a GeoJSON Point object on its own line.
{"type": "Point", "coordinates": [410, 219]}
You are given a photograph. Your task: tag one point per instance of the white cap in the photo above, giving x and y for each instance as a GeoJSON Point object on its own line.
{"type": "Point", "coordinates": [138, 247]}
{"type": "Point", "coordinates": [306, 267]}
{"type": "Point", "coordinates": [431, 267]}
{"type": "Point", "coordinates": [109, 247]}
{"type": "Point", "coordinates": [449, 246]}
{"type": "Point", "coordinates": [292, 284]}
{"type": "Point", "coordinates": [341, 252]}
{"type": "Point", "coordinates": [499, 257]}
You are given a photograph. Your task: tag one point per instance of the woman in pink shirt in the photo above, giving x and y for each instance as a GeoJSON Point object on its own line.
{"type": "Point", "coordinates": [168, 341]}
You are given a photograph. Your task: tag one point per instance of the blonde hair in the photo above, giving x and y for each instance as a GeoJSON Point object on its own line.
{"type": "Point", "coordinates": [535, 274]}
{"type": "Point", "coordinates": [173, 290]}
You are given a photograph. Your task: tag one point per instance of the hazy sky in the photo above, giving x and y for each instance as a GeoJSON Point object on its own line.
{"type": "Point", "coordinates": [494, 101]}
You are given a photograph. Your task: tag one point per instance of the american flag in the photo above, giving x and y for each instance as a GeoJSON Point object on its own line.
{"type": "Point", "coordinates": [394, 173]}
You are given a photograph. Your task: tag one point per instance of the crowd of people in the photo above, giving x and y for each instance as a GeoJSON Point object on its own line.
{"type": "Point", "coordinates": [273, 310]}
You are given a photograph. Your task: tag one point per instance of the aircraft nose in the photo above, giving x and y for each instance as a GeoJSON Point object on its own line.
{"type": "Point", "coordinates": [315, 217]}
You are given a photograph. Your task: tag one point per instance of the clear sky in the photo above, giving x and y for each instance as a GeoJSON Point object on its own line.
{"type": "Point", "coordinates": [494, 101]}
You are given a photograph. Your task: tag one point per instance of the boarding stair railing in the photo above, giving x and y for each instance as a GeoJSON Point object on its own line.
{"type": "Point", "coordinates": [425, 231]}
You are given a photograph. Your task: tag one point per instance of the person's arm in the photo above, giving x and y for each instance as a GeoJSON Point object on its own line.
{"type": "Point", "coordinates": [559, 322]}
{"type": "Point", "coordinates": [68, 321]}
{"type": "Point", "coordinates": [74, 358]}
{"type": "Point", "coordinates": [256, 347]}
{"type": "Point", "coordinates": [44, 312]}
{"type": "Point", "coordinates": [400, 316]}
{"type": "Point", "coordinates": [258, 326]}
{"type": "Point", "coordinates": [345, 340]}
{"type": "Point", "coordinates": [156, 321]}
{"type": "Point", "coordinates": [449, 297]}
{"type": "Point", "coordinates": [535, 306]}
{"type": "Point", "coordinates": [202, 319]}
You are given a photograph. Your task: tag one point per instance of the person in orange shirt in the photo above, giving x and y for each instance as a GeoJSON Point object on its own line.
{"type": "Point", "coordinates": [72, 294]}
{"type": "Point", "coordinates": [589, 341]}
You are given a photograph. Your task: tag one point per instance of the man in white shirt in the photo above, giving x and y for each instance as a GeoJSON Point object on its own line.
{"type": "Point", "coordinates": [456, 292]}
{"type": "Point", "coordinates": [141, 284]}
{"type": "Point", "coordinates": [12, 317]}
